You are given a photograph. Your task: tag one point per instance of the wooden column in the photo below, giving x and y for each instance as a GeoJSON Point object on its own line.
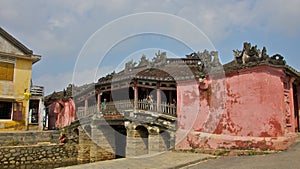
{"type": "Point", "coordinates": [158, 96]}
{"type": "Point", "coordinates": [136, 96]}
{"type": "Point", "coordinates": [170, 96]}
{"type": "Point", "coordinates": [86, 105]}
{"type": "Point", "coordinates": [99, 101]}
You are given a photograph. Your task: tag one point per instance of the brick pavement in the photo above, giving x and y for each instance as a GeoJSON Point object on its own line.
{"type": "Point", "coordinates": [164, 160]}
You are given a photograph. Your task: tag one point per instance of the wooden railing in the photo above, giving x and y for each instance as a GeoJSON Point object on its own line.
{"type": "Point", "coordinates": [37, 90]}
{"type": "Point", "coordinates": [117, 107]}
{"type": "Point", "coordinates": [165, 108]}
{"type": "Point", "coordinates": [80, 112]}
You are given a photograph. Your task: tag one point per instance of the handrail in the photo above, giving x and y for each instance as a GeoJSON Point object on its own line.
{"type": "Point", "coordinates": [116, 107]}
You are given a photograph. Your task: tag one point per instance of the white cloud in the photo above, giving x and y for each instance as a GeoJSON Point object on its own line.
{"type": "Point", "coordinates": [61, 22]}
{"type": "Point", "coordinates": [278, 15]}
{"type": "Point", "coordinates": [58, 29]}
{"type": "Point", "coordinates": [220, 19]}
{"type": "Point", "coordinates": [60, 81]}
{"type": "Point", "coordinates": [54, 82]}
{"type": "Point", "coordinates": [216, 18]}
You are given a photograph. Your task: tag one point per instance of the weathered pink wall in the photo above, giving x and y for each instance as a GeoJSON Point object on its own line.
{"type": "Point", "coordinates": [298, 97]}
{"type": "Point", "coordinates": [253, 104]}
{"type": "Point", "coordinates": [246, 109]}
{"type": "Point", "coordinates": [188, 104]}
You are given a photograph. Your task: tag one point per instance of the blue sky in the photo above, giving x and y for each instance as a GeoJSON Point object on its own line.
{"type": "Point", "coordinates": [60, 30]}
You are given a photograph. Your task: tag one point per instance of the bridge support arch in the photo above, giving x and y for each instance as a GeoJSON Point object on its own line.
{"type": "Point", "coordinates": [143, 139]}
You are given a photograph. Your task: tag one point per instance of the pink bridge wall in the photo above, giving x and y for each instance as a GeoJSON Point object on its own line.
{"type": "Point", "coordinates": [246, 109]}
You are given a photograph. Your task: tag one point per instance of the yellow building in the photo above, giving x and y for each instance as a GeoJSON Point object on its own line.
{"type": "Point", "coordinates": [16, 62]}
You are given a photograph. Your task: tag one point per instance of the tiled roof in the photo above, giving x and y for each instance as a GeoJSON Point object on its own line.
{"type": "Point", "coordinates": [168, 72]}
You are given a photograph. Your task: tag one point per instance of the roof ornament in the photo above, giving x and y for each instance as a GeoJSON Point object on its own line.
{"type": "Point", "coordinates": [129, 66]}
{"type": "Point", "coordinates": [251, 54]}
{"type": "Point", "coordinates": [208, 61]}
{"type": "Point", "coordinates": [144, 61]}
{"type": "Point", "coordinates": [159, 59]}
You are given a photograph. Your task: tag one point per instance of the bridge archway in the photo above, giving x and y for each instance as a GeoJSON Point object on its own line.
{"type": "Point", "coordinates": [121, 140]}
{"type": "Point", "coordinates": [142, 135]}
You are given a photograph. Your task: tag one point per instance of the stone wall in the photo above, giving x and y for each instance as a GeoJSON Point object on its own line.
{"type": "Point", "coordinates": [11, 156]}
{"type": "Point", "coordinates": [28, 137]}
{"type": "Point", "coordinates": [34, 148]}
{"type": "Point", "coordinates": [96, 149]}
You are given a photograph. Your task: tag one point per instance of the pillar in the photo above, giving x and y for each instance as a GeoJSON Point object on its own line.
{"type": "Point", "coordinates": [298, 98]}
{"type": "Point", "coordinates": [172, 139]}
{"type": "Point", "coordinates": [94, 155]}
{"type": "Point", "coordinates": [102, 145]}
{"type": "Point", "coordinates": [107, 141]}
{"type": "Point", "coordinates": [158, 99]}
{"type": "Point", "coordinates": [170, 96]}
{"type": "Point", "coordinates": [99, 101]}
{"type": "Point", "coordinates": [291, 104]}
{"type": "Point", "coordinates": [160, 141]}
{"type": "Point", "coordinates": [41, 115]}
{"type": "Point", "coordinates": [84, 144]}
{"type": "Point", "coordinates": [137, 140]}
{"type": "Point", "coordinates": [136, 97]}
{"type": "Point", "coordinates": [155, 141]}
{"type": "Point", "coordinates": [86, 105]}
{"type": "Point", "coordinates": [103, 142]}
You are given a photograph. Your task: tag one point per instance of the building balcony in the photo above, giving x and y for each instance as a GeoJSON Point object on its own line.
{"type": "Point", "coordinates": [37, 91]}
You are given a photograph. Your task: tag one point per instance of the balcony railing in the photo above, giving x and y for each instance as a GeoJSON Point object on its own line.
{"type": "Point", "coordinates": [37, 91]}
{"type": "Point", "coordinates": [118, 107]}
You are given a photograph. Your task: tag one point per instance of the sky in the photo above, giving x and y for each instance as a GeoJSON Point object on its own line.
{"type": "Point", "coordinates": [82, 40]}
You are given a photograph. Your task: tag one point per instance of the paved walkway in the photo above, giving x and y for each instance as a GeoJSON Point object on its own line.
{"type": "Point", "coordinates": [160, 161]}
{"type": "Point", "coordinates": [288, 159]}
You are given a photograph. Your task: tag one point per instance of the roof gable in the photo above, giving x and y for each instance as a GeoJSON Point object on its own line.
{"type": "Point", "coordinates": [9, 44]}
